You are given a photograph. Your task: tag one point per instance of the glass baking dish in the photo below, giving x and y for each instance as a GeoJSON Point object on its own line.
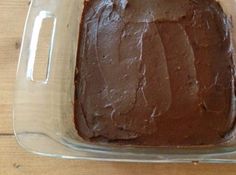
{"type": "Point", "coordinates": [43, 110]}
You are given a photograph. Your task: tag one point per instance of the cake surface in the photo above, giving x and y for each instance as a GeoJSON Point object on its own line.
{"type": "Point", "coordinates": [155, 73]}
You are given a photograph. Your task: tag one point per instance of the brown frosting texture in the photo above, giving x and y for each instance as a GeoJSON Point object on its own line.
{"type": "Point", "coordinates": [155, 73]}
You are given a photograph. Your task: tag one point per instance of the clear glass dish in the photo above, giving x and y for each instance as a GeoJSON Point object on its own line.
{"type": "Point", "coordinates": [43, 110]}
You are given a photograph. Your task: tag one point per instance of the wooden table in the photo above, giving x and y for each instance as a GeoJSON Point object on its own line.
{"type": "Point", "coordinates": [15, 160]}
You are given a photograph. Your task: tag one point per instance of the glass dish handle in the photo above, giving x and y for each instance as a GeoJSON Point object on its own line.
{"type": "Point", "coordinates": [40, 10]}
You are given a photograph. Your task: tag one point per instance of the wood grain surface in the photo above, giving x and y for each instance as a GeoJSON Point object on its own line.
{"type": "Point", "coordinates": [15, 160]}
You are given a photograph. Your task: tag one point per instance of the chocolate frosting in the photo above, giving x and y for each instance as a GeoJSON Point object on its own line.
{"type": "Point", "coordinates": [155, 73]}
